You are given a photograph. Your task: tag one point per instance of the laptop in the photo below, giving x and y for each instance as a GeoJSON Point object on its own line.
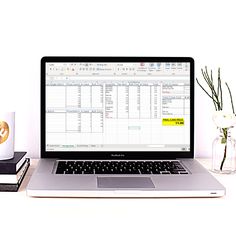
{"type": "Point", "coordinates": [119, 127]}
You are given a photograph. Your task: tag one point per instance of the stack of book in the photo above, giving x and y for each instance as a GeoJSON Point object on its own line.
{"type": "Point", "coordinates": [12, 172]}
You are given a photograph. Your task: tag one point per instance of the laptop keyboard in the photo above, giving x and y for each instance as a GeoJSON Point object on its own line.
{"type": "Point", "coordinates": [120, 167]}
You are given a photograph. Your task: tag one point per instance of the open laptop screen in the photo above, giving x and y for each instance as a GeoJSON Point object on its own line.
{"type": "Point", "coordinates": [117, 106]}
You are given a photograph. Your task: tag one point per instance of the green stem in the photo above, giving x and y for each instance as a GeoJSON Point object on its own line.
{"type": "Point", "coordinates": [214, 101]}
{"type": "Point", "coordinates": [230, 94]}
{"type": "Point", "coordinates": [219, 82]}
{"type": "Point", "coordinates": [224, 140]}
{"type": "Point", "coordinates": [210, 84]}
{"type": "Point", "coordinates": [223, 161]}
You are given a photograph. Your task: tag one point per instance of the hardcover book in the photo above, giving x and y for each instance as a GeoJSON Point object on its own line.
{"type": "Point", "coordinates": [6, 187]}
{"type": "Point", "coordinates": [14, 178]}
{"type": "Point", "coordinates": [13, 165]}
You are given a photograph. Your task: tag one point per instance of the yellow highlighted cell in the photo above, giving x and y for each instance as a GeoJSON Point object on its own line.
{"type": "Point", "coordinates": [173, 121]}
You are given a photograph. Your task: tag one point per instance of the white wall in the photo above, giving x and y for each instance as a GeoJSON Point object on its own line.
{"type": "Point", "coordinates": [29, 30]}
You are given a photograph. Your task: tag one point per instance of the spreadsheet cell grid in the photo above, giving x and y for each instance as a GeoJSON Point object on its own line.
{"type": "Point", "coordinates": [121, 109]}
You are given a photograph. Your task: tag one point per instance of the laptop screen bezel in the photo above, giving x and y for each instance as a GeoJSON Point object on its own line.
{"type": "Point", "coordinates": [117, 155]}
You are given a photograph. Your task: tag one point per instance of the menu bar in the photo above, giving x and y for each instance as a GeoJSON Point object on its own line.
{"type": "Point", "coordinates": [77, 69]}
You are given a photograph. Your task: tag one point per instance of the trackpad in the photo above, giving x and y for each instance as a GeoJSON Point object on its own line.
{"type": "Point", "coordinates": [124, 182]}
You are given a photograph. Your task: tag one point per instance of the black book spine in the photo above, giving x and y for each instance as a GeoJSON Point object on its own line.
{"type": "Point", "coordinates": [8, 169]}
{"type": "Point", "coordinates": [9, 166]}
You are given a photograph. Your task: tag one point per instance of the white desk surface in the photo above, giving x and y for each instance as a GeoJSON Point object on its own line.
{"type": "Point", "coordinates": [22, 215]}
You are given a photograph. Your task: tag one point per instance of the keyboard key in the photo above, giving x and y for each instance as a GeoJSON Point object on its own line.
{"type": "Point", "coordinates": [120, 167]}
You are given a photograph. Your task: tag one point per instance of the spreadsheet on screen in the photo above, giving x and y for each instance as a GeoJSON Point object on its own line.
{"type": "Point", "coordinates": [117, 106]}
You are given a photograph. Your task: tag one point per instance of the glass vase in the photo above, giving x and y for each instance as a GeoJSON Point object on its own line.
{"type": "Point", "coordinates": [224, 152]}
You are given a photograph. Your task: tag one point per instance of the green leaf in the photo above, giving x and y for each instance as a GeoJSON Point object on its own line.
{"type": "Point", "coordinates": [223, 140]}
